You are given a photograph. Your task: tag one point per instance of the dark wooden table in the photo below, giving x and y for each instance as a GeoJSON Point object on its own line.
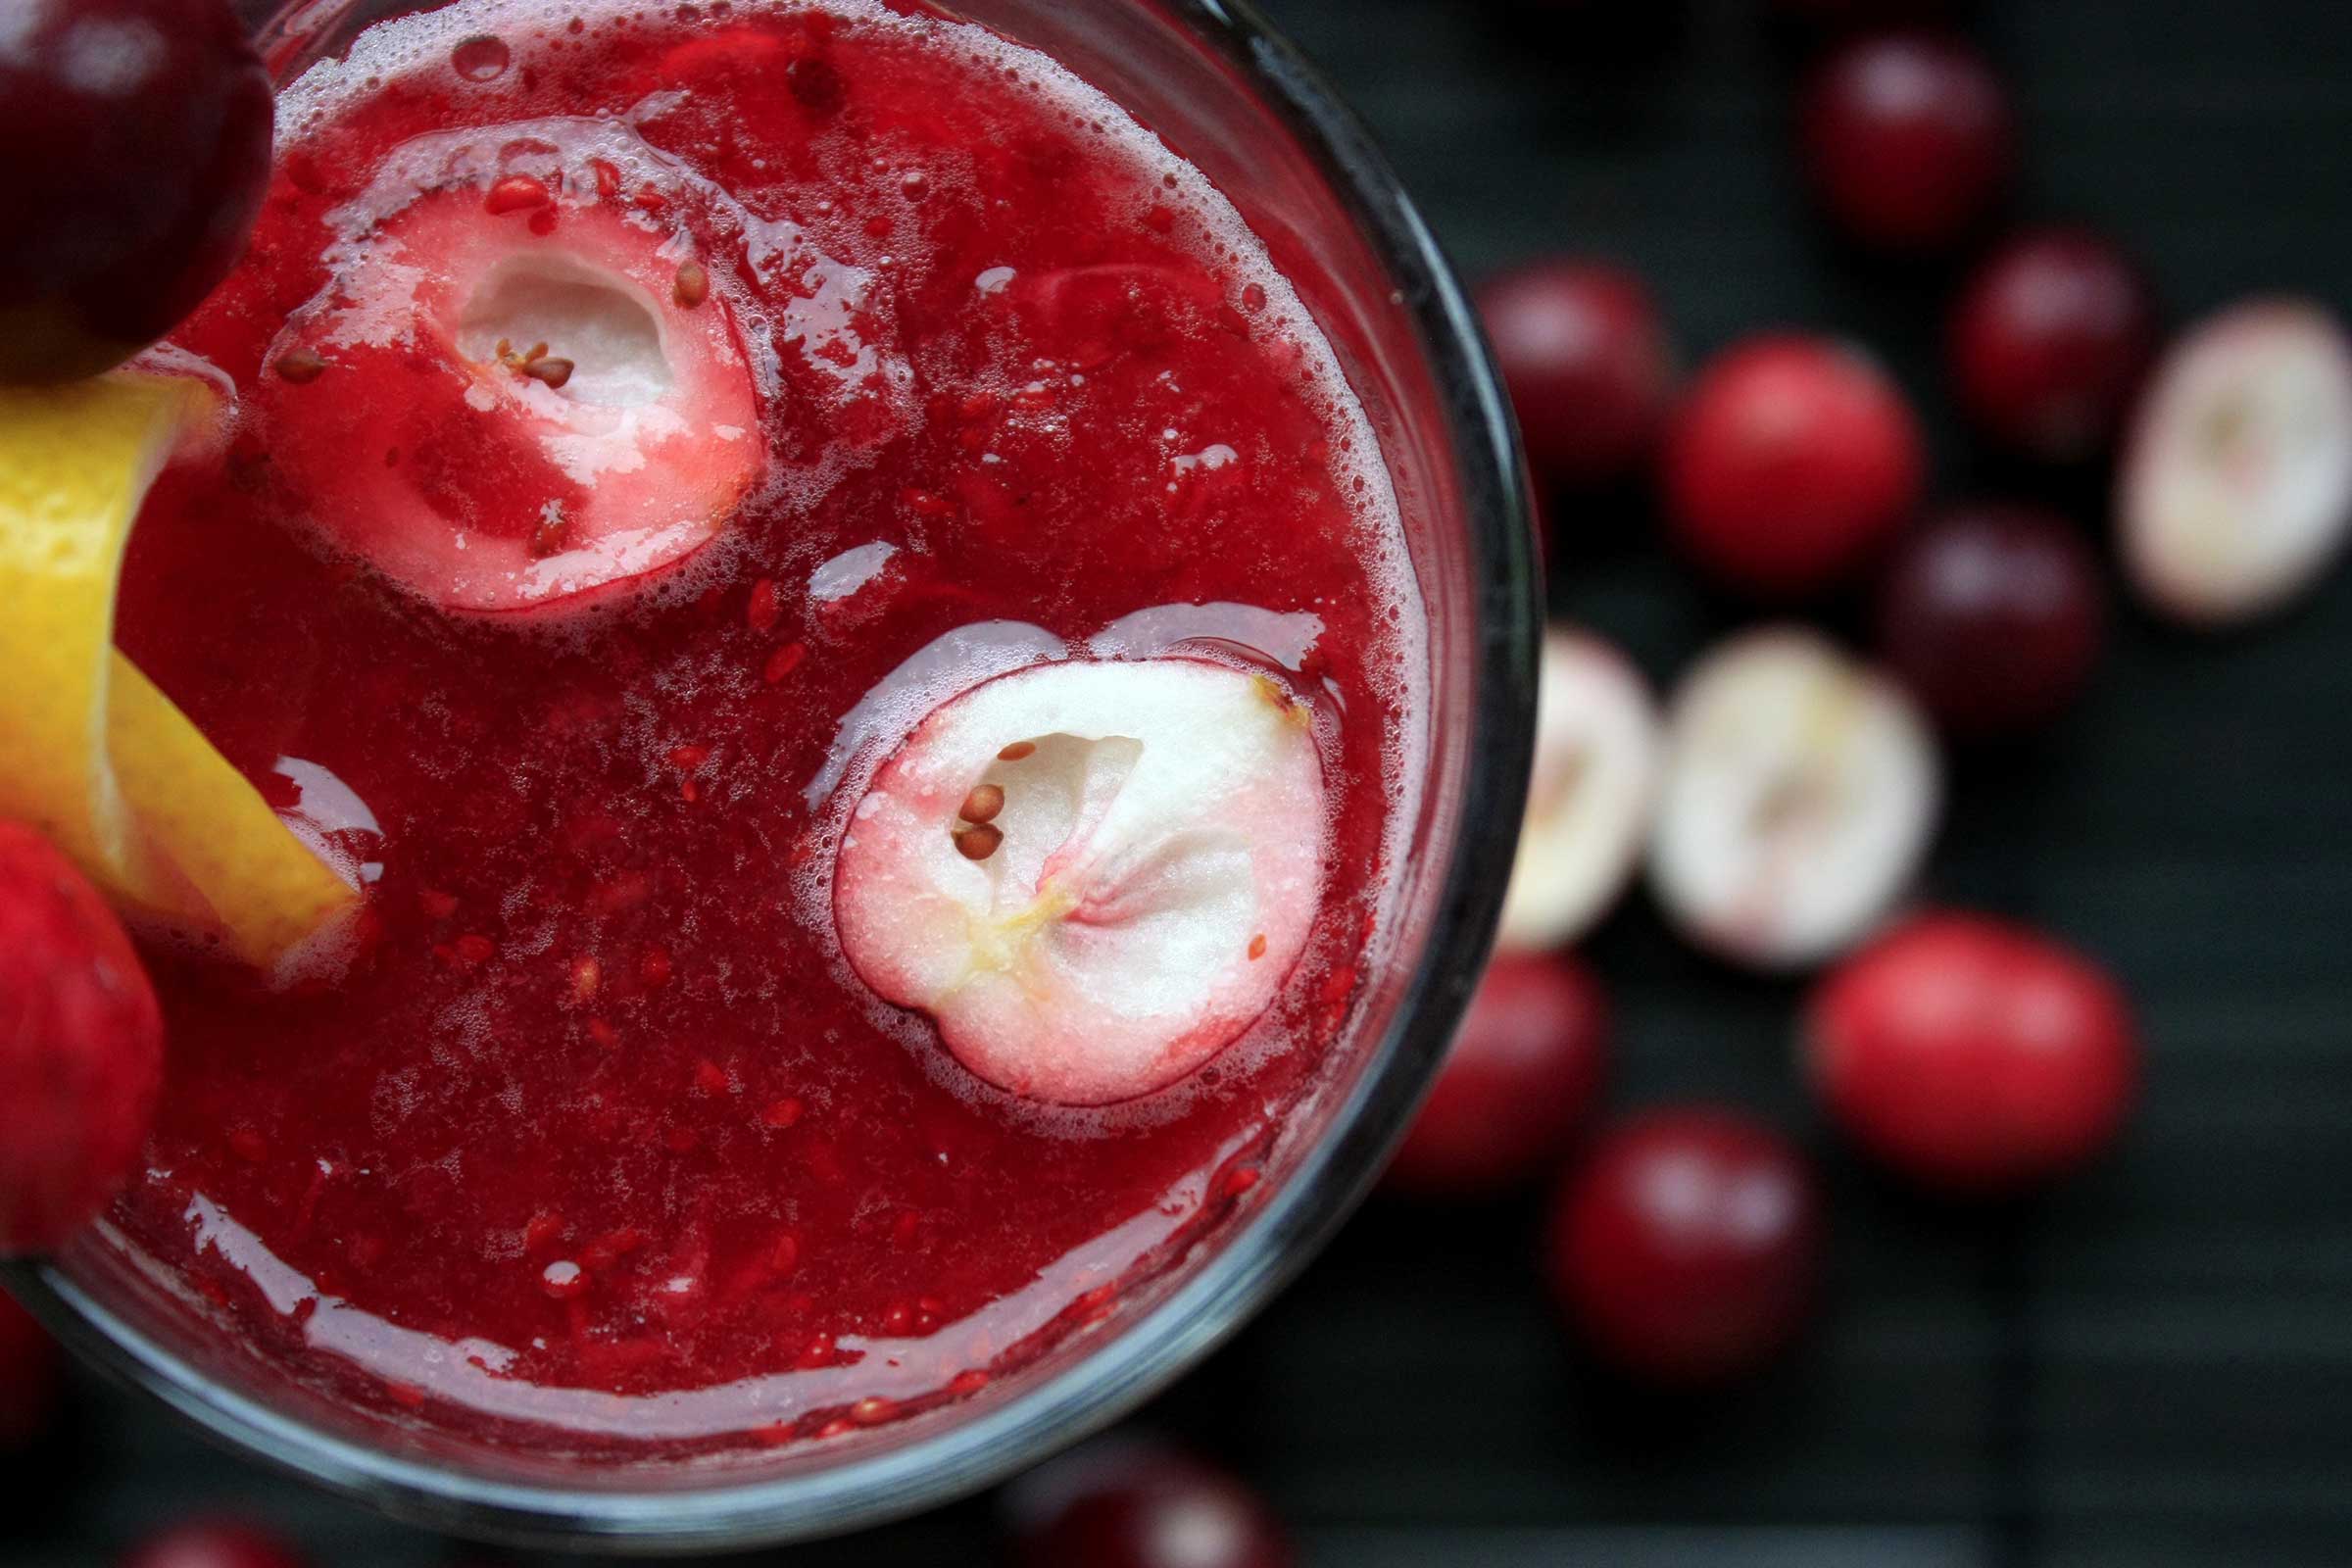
{"type": "Point", "coordinates": [2153, 1367]}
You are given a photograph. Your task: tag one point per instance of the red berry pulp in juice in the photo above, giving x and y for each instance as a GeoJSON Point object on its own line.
{"type": "Point", "coordinates": [596, 1109]}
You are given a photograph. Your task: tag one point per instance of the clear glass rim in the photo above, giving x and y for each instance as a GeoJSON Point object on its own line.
{"type": "Point", "coordinates": [1272, 1244]}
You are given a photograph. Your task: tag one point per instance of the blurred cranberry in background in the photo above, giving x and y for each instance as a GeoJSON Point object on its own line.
{"type": "Point", "coordinates": [1523, 1073]}
{"type": "Point", "coordinates": [1790, 464]}
{"type": "Point", "coordinates": [1909, 139]}
{"type": "Point", "coordinates": [1686, 1247]}
{"type": "Point", "coordinates": [1589, 796]}
{"type": "Point", "coordinates": [1975, 1056]}
{"type": "Point", "coordinates": [1587, 363]}
{"type": "Point", "coordinates": [1800, 793]}
{"type": "Point", "coordinates": [2048, 342]}
{"type": "Point", "coordinates": [1993, 615]}
{"type": "Point", "coordinates": [2233, 494]}
{"type": "Point", "coordinates": [29, 1378]}
{"type": "Point", "coordinates": [214, 1543]}
{"type": "Point", "coordinates": [1127, 1504]}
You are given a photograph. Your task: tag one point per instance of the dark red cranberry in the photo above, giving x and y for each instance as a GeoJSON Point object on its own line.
{"type": "Point", "coordinates": [1790, 464]}
{"type": "Point", "coordinates": [1908, 139]}
{"type": "Point", "coordinates": [1138, 1506]}
{"type": "Point", "coordinates": [1973, 1056]}
{"type": "Point", "coordinates": [2049, 340]}
{"type": "Point", "coordinates": [1587, 363]}
{"type": "Point", "coordinates": [143, 133]}
{"type": "Point", "coordinates": [29, 1378]}
{"type": "Point", "coordinates": [1993, 615]}
{"type": "Point", "coordinates": [1686, 1247]}
{"type": "Point", "coordinates": [1522, 1076]}
{"type": "Point", "coordinates": [214, 1543]}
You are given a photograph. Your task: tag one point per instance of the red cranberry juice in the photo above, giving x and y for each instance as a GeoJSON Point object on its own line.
{"type": "Point", "coordinates": [593, 1107]}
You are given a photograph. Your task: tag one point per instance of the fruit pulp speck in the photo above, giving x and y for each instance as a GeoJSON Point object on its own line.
{"type": "Point", "coordinates": [593, 1107]}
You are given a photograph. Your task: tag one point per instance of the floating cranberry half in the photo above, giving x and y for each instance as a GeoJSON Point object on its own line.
{"type": "Point", "coordinates": [2049, 340]}
{"type": "Point", "coordinates": [1686, 1247]}
{"type": "Point", "coordinates": [28, 1378]}
{"type": "Point", "coordinates": [1973, 1056]}
{"type": "Point", "coordinates": [546, 420]}
{"type": "Point", "coordinates": [1140, 1505]}
{"type": "Point", "coordinates": [1791, 463]}
{"type": "Point", "coordinates": [1586, 358]}
{"type": "Point", "coordinates": [1994, 617]}
{"type": "Point", "coordinates": [82, 1047]}
{"type": "Point", "coordinates": [214, 1543]}
{"type": "Point", "coordinates": [1907, 140]}
{"type": "Point", "coordinates": [141, 129]}
{"type": "Point", "coordinates": [1522, 1076]}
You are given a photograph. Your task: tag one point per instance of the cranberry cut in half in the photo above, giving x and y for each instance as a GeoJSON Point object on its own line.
{"type": "Point", "coordinates": [1686, 1247]}
{"type": "Point", "coordinates": [1994, 617]}
{"type": "Point", "coordinates": [214, 1543]}
{"type": "Point", "coordinates": [141, 133]}
{"type": "Point", "coordinates": [1092, 876]}
{"type": "Point", "coordinates": [517, 392]}
{"type": "Point", "coordinates": [1909, 139]}
{"type": "Point", "coordinates": [29, 1378]}
{"type": "Point", "coordinates": [2233, 495]}
{"type": "Point", "coordinates": [1523, 1074]}
{"type": "Point", "coordinates": [1140, 1505]}
{"type": "Point", "coordinates": [1789, 466]}
{"type": "Point", "coordinates": [1973, 1056]}
{"type": "Point", "coordinates": [1801, 790]}
{"type": "Point", "coordinates": [1586, 358]}
{"type": "Point", "coordinates": [2048, 342]}
{"type": "Point", "coordinates": [1590, 798]}
{"type": "Point", "coordinates": [82, 1047]}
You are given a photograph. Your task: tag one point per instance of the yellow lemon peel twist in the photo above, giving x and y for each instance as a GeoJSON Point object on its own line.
{"type": "Point", "coordinates": [91, 754]}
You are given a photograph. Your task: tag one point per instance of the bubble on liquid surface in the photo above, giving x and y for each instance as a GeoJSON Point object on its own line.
{"type": "Point", "coordinates": [482, 59]}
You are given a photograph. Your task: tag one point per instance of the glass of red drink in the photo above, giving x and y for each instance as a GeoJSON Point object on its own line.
{"type": "Point", "coordinates": [1265, 1165]}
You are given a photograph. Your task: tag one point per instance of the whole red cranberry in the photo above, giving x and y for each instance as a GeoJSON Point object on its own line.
{"type": "Point", "coordinates": [82, 1047]}
{"type": "Point", "coordinates": [29, 1379]}
{"type": "Point", "coordinates": [1140, 1505]}
{"type": "Point", "coordinates": [143, 133]}
{"type": "Point", "coordinates": [1686, 1247]}
{"type": "Point", "coordinates": [2048, 342]}
{"type": "Point", "coordinates": [1522, 1075]}
{"type": "Point", "coordinates": [214, 1543]}
{"type": "Point", "coordinates": [1790, 462]}
{"type": "Point", "coordinates": [1973, 1056]}
{"type": "Point", "coordinates": [1993, 615]}
{"type": "Point", "coordinates": [1909, 139]}
{"type": "Point", "coordinates": [1588, 367]}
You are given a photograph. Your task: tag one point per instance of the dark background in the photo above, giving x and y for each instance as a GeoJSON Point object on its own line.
{"type": "Point", "coordinates": [2151, 1367]}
